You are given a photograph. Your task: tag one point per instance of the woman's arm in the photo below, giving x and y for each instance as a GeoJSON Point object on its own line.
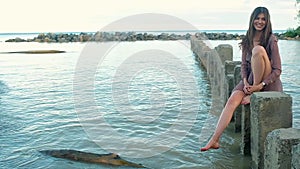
{"type": "Point", "coordinates": [244, 72]}
{"type": "Point", "coordinates": [275, 62]}
{"type": "Point", "coordinates": [244, 66]}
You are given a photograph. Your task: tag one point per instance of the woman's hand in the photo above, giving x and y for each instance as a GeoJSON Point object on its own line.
{"type": "Point", "coordinates": [246, 87]}
{"type": "Point", "coordinates": [255, 88]}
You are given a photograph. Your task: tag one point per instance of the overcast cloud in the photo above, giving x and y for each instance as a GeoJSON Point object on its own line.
{"type": "Point", "coordinates": [92, 15]}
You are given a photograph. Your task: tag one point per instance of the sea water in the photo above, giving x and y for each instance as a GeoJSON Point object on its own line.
{"type": "Point", "coordinates": [38, 110]}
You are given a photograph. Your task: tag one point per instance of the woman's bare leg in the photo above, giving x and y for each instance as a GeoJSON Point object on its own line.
{"type": "Point", "coordinates": [226, 115]}
{"type": "Point", "coordinates": [246, 100]}
{"type": "Point", "coordinates": [260, 64]}
{"type": "Point", "coordinates": [261, 67]}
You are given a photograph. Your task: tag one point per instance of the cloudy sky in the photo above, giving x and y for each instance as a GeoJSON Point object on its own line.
{"type": "Point", "coordinates": [92, 15]}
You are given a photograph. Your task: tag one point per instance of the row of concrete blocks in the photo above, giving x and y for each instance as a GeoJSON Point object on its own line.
{"type": "Point", "coordinates": [266, 127]}
{"type": "Point", "coordinates": [265, 124]}
{"type": "Point", "coordinates": [214, 66]}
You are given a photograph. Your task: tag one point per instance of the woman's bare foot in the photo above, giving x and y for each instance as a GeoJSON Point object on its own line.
{"type": "Point", "coordinates": [246, 100]}
{"type": "Point", "coordinates": [211, 145]}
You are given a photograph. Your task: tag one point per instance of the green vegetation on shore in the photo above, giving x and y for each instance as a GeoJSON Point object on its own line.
{"type": "Point", "coordinates": [292, 33]}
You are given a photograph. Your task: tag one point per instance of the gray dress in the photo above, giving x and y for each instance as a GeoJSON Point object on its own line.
{"type": "Point", "coordinates": [273, 82]}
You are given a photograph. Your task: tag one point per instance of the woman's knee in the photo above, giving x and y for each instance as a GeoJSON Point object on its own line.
{"type": "Point", "coordinates": [258, 50]}
{"type": "Point", "coordinates": [236, 97]}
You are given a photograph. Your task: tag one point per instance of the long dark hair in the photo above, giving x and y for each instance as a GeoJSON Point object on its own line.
{"type": "Point", "coordinates": [247, 41]}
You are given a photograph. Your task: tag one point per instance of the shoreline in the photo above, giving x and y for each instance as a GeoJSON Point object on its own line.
{"type": "Point", "coordinates": [132, 36]}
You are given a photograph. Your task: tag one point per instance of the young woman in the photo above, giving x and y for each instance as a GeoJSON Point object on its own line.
{"type": "Point", "coordinates": [260, 69]}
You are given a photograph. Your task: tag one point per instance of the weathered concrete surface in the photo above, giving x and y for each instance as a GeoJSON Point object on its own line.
{"type": "Point", "coordinates": [278, 149]}
{"type": "Point", "coordinates": [213, 60]}
{"type": "Point", "coordinates": [225, 52]}
{"type": "Point", "coordinates": [238, 119]}
{"type": "Point", "coordinates": [269, 111]}
{"type": "Point", "coordinates": [245, 131]}
{"type": "Point", "coordinates": [237, 74]}
{"type": "Point", "coordinates": [229, 73]}
{"type": "Point", "coordinates": [238, 111]}
{"type": "Point", "coordinates": [230, 66]}
{"type": "Point", "coordinates": [296, 156]}
{"type": "Point", "coordinates": [201, 50]}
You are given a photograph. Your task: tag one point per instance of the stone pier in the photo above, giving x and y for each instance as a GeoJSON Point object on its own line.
{"type": "Point", "coordinates": [215, 61]}
{"type": "Point", "coordinates": [267, 112]}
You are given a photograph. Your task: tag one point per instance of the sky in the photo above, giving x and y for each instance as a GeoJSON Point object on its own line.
{"type": "Point", "coordinates": [93, 15]}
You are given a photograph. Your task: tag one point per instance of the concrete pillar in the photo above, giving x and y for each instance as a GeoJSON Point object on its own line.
{"type": "Point", "coordinates": [229, 73]}
{"type": "Point", "coordinates": [296, 156]}
{"type": "Point", "coordinates": [245, 130]}
{"type": "Point", "coordinates": [238, 111]}
{"type": "Point", "coordinates": [210, 63]}
{"type": "Point", "coordinates": [200, 49]}
{"type": "Point", "coordinates": [237, 74]}
{"type": "Point", "coordinates": [269, 111]}
{"type": "Point", "coordinates": [225, 52]}
{"type": "Point", "coordinates": [238, 119]}
{"type": "Point", "coordinates": [278, 148]}
{"type": "Point", "coordinates": [230, 85]}
{"type": "Point", "coordinates": [202, 54]}
{"type": "Point", "coordinates": [230, 66]}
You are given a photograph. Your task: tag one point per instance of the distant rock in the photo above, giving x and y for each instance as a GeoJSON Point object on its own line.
{"type": "Point", "coordinates": [38, 51]}
{"type": "Point", "coordinates": [17, 39]}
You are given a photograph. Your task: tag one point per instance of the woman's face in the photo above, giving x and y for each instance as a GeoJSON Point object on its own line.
{"type": "Point", "coordinates": [259, 22]}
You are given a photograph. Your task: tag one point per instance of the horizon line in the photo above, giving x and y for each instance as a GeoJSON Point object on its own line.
{"type": "Point", "coordinates": [202, 30]}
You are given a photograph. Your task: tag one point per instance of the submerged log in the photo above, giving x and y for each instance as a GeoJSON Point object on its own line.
{"type": "Point", "coordinates": [108, 159]}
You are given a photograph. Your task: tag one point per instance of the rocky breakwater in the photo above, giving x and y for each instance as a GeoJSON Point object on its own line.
{"type": "Point", "coordinates": [129, 36]}
{"type": "Point", "coordinates": [55, 37]}
{"type": "Point", "coordinates": [100, 37]}
{"type": "Point", "coordinates": [121, 36]}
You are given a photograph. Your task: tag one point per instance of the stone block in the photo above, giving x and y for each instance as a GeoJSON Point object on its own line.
{"type": "Point", "coordinates": [230, 66]}
{"type": "Point", "coordinates": [230, 82]}
{"type": "Point", "coordinates": [225, 52]}
{"type": "Point", "coordinates": [245, 130]}
{"type": "Point", "coordinates": [296, 156]}
{"type": "Point", "coordinates": [205, 56]}
{"type": "Point", "coordinates": [238, 112]}
{"type": "Point", "coordinates": [278, 148]}
{"type": "Point", "coordinates": [269, 111]}
{"type": "Point", "coordinates": [230, 75]}
{"type": "Point", "coordinates": [237, 74]}
{"type": "Point", "coordinates": [210, 65]}
{"type": "Point", "coordinates": [238, 119]}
